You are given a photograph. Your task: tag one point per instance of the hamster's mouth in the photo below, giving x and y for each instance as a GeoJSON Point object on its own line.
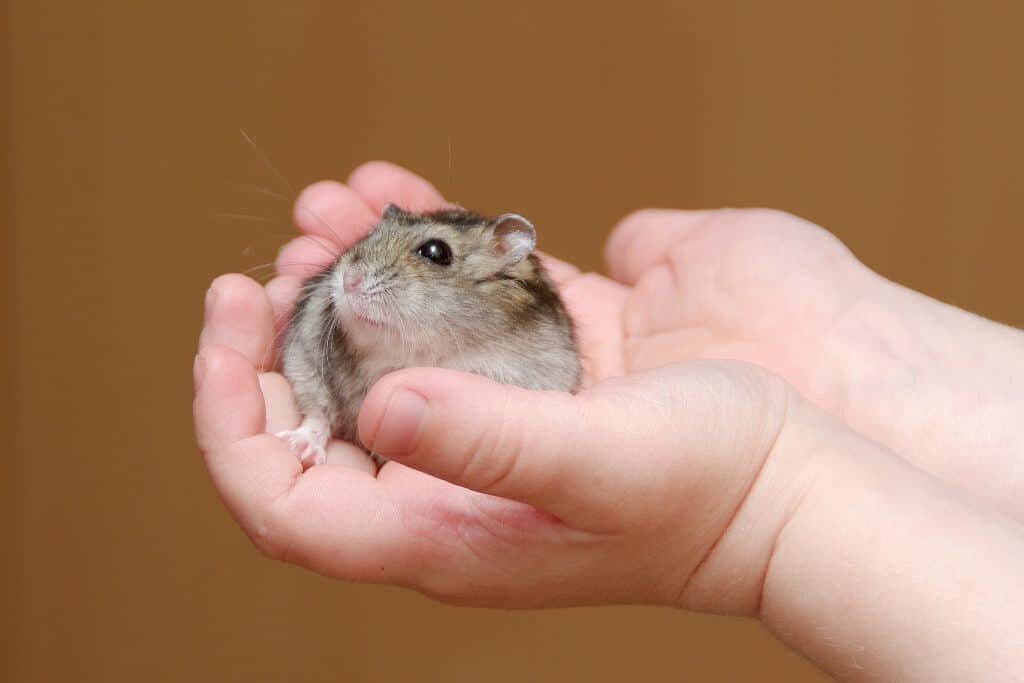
{"type": "Point", "coordinates": [367, 320]}
{"type": "Point", "coordinates": [362, 311]}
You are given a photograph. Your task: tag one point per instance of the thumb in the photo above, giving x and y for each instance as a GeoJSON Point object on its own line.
{"type": "Point", "coordinates": [696, 430]}
{"type": "Point", "coordinates": [539, 447]}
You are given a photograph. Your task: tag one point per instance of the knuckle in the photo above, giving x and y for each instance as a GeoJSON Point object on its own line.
{"type": "Point", "coordinates": [270, 535]}
{"type": "Point", "coordinates": [451, 589]}
{"type": "Point", "coordinates": [780, 222]}
{"type": "Point", "coordinates": [590, 280]}
{"type": "Point", "coordinates": [770, 215]}
{"type": "Point", "coordinates": [639, 217]}
{"type": "Point", "coordinates": [625, 230]}
{"type": "Point", "coordinates": [498, 451]}
{"type": "Point", "coordinates": [270, 544]}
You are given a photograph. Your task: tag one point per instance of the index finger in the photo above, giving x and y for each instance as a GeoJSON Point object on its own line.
{"type": "Point", "coordinates": [380, 183]}
{"type": "Point", "coordinates": [333, 216]}
{"type": "Point", "coordinates": [334, 517]}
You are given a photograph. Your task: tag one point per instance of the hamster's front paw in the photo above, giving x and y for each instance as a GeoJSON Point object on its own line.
{"type": "Point", "coordinates": [308, 442]}
{"type": "Point", "coordinates": [307, 451]}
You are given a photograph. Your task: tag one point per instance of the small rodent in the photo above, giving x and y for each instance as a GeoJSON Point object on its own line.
{"type": "Point", "coordinates": [446, 288]}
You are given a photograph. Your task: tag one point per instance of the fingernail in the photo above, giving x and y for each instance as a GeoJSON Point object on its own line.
{"type": "Point", "coordinates": [400, 426]}
{"type": "Point", "coordinates": [211, 299]}
{"type": "Point", "coordinates": [198, 372]}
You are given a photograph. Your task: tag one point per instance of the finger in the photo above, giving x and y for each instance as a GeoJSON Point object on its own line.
{"type": "Point", "coordinates": [558, 270]}
{"type": "Point", "coordinates": [486, 436]}
{"type": "Point", "coordinates": [238, 314]}
{"type": "Point", "coordinates": [351, 456]}
{"type": "Point", "coordinates": [644, 437]}
{"type": "Point", "coordinates": [332, 519]}
{"type": "Point", "coordinates": [249, 468]}
{"type": "Point", "coordinates": [644, 238]}
{"type": "Point", "coordinates": [334, 212]}
{"type": "Point", "coordinates": [281, 413]}
{"type": "Point", "coordinates": [596, 304]}
{"type": "Point", "coordinates": [340, 521]}
{"type": "Point", "coordinates": [229, 404]}
{"type": "Point", "coordinates": [380, 183]}
{"type": "Point", "coordinates": [282, 292]}
{"type": "Point", "coordinates": [305, 256]}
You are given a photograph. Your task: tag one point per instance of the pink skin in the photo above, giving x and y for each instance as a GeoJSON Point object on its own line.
{"type": "Point", "coordinates": [712, 485]}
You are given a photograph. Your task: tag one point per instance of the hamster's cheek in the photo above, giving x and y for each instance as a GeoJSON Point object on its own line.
{"type": "Point", "coordinates": [444, 302]}
{"type": "Point", "coordinates": [343, 307]}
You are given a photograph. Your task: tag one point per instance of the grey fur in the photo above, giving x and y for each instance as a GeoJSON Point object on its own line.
{"type": "Point", "coordinates": [492, 312]}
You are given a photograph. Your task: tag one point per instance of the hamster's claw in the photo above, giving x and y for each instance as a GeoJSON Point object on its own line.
{"type": "Point", "coordinates": [305, 446]}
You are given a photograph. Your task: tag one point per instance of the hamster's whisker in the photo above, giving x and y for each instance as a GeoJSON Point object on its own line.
{"type": "Point", "coordinates": [399, 323]}
{"type": "Point", "coordinates": [259, 266]}
{"type": "Point", "coordinates": [259, 239]}
{"type": "Point", "coordinates": [329, 345]}
{"type": "Point", "coordinates": [266, 160]}
{"type": "Point", "coordinates": [332, 253]}
{"type": "Point", "coordinates": [281, 324]}
{"type": "Point", "coordinates": [413, 329]}
{"type": "Point", "coordinates": [277, 344]}
{"type": "Point", "coordinates": [272, 266]}
{"type": "Point", "coordinates": [307, 264]}
{"type": "Point", "coordinates": [450, 164]}
{"type": "Point", "coordinates": [387, 298]}
{"type": "Point", "coordinates": [261, 274]}
{"type": "Point", "coordinates": [282, 320]}
{"type": "Point", "coordinates": [406, 338]}
{"type": "Point", "coordinates": [451, 331]}
{"type": "Point", "coordinates": [288, 186]}
{"type": "Point", "coordinates": [228, 215]}
{"type": "Point", "coordinates": [263, 278]}
{"type": "Point", "coordinates": [323, 222]}
{"type": "Point", "coordinates": [407, 341]}
{"type": "Point", "coordinates": [326, 336]}
{"type": "Point", "coordinates": [308, 286]}
{"type": "Point", "coordinates": [261, 190]}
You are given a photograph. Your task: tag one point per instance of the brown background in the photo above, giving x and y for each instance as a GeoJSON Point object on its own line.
{"type": "Point", "coordinates": [894, 124]}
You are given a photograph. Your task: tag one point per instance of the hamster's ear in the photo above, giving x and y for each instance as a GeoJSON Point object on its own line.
{"type": "Point", "coordinates": [393, 212]}
{"type": "Point", "coordinates": [514, 237]}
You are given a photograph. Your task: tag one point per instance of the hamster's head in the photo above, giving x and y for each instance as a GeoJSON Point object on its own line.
{"type": "Point", "coordinates": [440, 276]}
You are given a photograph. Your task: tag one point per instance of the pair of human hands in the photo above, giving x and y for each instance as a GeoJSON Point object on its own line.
{"type": "Point", "coordinates": [800, 481]}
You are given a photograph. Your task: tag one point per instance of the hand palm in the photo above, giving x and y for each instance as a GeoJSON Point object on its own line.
{"type": "Point", "coordinates": [758, 286]}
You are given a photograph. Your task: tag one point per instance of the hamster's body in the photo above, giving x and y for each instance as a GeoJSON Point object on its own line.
{"type": "Point", "coordinates": [447, 289]}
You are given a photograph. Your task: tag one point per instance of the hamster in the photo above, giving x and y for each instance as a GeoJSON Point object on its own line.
{"type": "Point", "coordinates": [449, 289]}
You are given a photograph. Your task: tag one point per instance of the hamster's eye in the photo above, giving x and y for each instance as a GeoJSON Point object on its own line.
{"type": "Point", "coordinates": [436, 251]}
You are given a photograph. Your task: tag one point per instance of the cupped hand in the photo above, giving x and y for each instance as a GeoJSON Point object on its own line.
{"type": "Point", "coordinates": [760, 286]}
{"type": "Point", "coordinates": [584, 512]}
{"type": "Point", "coordinates": [935, 384]}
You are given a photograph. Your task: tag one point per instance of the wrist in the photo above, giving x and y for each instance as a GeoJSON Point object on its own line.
{"type": "Point", "coordinates": [730, 578]}
{"type": "Point", "coordinates": [929, 382]}
{"type": "Point", "coordinates": [880, 571]}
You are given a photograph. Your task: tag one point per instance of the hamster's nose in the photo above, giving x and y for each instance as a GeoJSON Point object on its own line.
{"type": "Point", "coordinates": [352, 280]}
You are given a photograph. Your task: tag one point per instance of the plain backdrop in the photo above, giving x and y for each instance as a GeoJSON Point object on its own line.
{"type": "Point", "coordinates": [894, 124]}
